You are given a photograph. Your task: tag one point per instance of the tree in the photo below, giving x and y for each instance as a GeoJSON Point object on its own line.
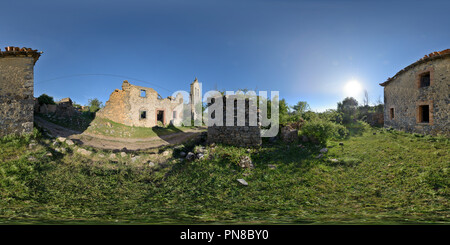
{"type": "Point", "coordinates": [331, 115]}
{"type": "Point", "coordinates": [301, 107]}
{"type": "Point", "coordinates": [379, 101]}
{"type": "Point", "coordinates": [45, 99]}
{"type": "Point", "coordinates": [283, 111]}
{"type": "Point", "coordinates": [348, 103]}
{"type": "Point", "coordinates": [76, 105]}
{"type": "Point", "coordinates": [94, 105]}
{"type": "Point", "coordinates": [366, 98]}
{"type": "Point", "coordinates": [379, 107]}
{"type": "Point", "coordinates": [349, 108]}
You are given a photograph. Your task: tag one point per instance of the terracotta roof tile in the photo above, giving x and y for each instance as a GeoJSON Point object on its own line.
{"type": "Point", "coordinates": [425, 58]}
{"type": "Point", "coordinates": [12, 51]}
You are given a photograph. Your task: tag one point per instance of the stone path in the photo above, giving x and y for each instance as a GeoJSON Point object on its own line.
{"type": "Point", "coordinates": [111, 143]}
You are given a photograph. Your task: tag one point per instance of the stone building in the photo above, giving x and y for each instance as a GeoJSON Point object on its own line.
{"type": "Point", "coordinates": [16, 90]}
{"type": "Point", "coordinates": [417, 98]}
{"type": "Point", "coordinates": [142, 106]}
{"type": "Point", "coordinates": [242, 131]}
{"type": "Point", "coordinates": [65, 108]}
{"type": "Point", "coordinates": [195, 97]}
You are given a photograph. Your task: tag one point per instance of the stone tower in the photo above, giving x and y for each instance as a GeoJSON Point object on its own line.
{"type": "Point", "coordinates": [195, 99]}
{"type": "Point", "coordinates": [16, 90]}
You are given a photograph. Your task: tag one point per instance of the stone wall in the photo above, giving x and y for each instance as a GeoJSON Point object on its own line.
{"type": "Point", "coordinates": [375, 119]}
{"type": "Point", "coordinates": [245, 136]}
{"type": "Point", "coordinates": [195, 97]}
{"type": "Point", "coordinates": [16, 90]}
{"type": "Point", "coordinates": [125, 106]}
{"type": "Point", "coordinates": [403, 96]}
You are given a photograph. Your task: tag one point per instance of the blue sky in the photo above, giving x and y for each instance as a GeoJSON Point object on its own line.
{"type": "Point", "coordinates": [306, 50]}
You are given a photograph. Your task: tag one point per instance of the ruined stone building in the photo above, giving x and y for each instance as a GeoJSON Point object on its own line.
{"type": "Point", "coordinates": [142, 106]}
{"type": "Point", "coordinates": [195, 98]}
{"type": "Point", "coordinates": [16, 90]}
{"type": "Point", "coordinates": [243, 127]}
{"type": "Point", "coordinates": [417, 98]}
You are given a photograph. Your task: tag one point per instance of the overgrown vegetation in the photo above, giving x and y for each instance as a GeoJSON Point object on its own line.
{"type": "Point", "coordinates": [94, 105]}
{"type": "Point", "coordinates": [389, 177]}
{"type": "Point", "coordinates": [368, 175]}
{"type": "Point", "coordinates": [102, 126]}
{"type": "Point", "coordinates": [45, 99]}
{"type": "Point", "coordinates": [322, 130]}
{"type": "Point", "coordinates": [347, 119]}
{"type": "Point", "coordinates": [78, 121]}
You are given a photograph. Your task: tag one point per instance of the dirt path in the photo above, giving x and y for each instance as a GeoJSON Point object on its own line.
{"type": "Point", "coordinates": [111, 143]}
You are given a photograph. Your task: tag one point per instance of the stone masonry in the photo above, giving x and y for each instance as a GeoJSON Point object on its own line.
{"type": "Point", "coordinates": [195, 98]}
{"type": "Point", "coordinates": [141, 106]}
{"type": "Point", "coordinates": [245, 136]}
{"type": "Point", "coordinates": [417, 98]}
{"type": "Point", "coordinates": [16, 90]}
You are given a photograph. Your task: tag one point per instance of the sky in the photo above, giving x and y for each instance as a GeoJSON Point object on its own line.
{"type": "Point", "coordinates": [314, 51]}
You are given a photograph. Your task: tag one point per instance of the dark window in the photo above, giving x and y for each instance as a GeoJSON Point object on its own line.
{"type": "Point", "coordinates": [143, 114]}
{"type": "Point", "coordinates": [174, 115]}
{"type": "Point", "coordinates": [160, 116]}
{"type": "Point", "coordinates": [143, 93]}
{"type": "Point", "coordinates": [425, 80]}
{"type": "Point", "coordinates": [424, 113]}
{"type": "Point", "coordinates": [392, 113]}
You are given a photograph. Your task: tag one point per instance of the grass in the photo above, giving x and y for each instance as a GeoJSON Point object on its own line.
{"type": "Point", "coordinates": [78, 121]}
{"type": "Point", "coordinates": [387, 178]}
{"type": "Point", "coordinates": [86, 122]}
{"type": "Point", "coordinates": [102, 126]}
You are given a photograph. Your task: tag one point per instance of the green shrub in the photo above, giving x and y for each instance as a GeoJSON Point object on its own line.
{"type": "Point", "coordinates": [439, 179]}
{"type": "Point", "coordinates": [323, 130]}
{"type": "Point", "coordinates": [310, 116]}
{"type": "Point", "coordinates": [358, 127]}
{"type": "Point", "coordinates": [45, 99]}
{"type": "Point", "coordinates": [331, 115]}
{"type": "Point", "coordinates": [160, 124]}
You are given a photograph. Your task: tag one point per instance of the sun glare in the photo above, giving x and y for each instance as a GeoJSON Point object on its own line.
{"type": "Point", "coordinates": [353, 89]}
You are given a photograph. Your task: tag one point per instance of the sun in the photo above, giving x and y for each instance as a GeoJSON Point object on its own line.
{"type": "Point", "coordinates": [353, 89]}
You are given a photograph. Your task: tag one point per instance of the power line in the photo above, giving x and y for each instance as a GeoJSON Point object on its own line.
{"type": "Point", "coordinates": [101, 74]}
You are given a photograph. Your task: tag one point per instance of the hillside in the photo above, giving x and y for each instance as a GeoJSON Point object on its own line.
{"type": "Point", "coordinates": [388, 177]}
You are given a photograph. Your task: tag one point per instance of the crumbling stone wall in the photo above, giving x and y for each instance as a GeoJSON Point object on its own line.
{"type": "Point", "coordinates": [375, 119]}
{"type": "Point", "coordinates": [403, 96]}
{"type": "Point", "coordinates": [195, 98]}
{"type": "Point", "coordinates": [16, 90]}
{"type": "Point", "coordinates": [245, 136]}
{"type": "Point", "coordinates": [64, 108]}
{"type": "Point", "coordinates": [126, 106]}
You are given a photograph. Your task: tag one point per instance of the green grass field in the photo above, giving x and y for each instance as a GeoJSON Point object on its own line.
{"type": "Point", "coordinates": [85, 122]}
{"type": "Point", "coordinates": [387, 178]}
{"type": "Point", "coordinates": [101, 126]}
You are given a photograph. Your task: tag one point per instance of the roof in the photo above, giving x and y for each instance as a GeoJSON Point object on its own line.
{"type": "Point", "coordinates": [429, 57]}
{"type": "Point", "coordinates": [11, 51]}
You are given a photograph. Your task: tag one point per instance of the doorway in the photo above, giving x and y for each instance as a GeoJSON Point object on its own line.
{"type": "Point", "coordinates": [160, 117]}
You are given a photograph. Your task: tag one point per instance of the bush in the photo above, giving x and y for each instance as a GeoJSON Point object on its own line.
{"type": "Point", "coordinates": [331, 115]}
{"type": "Point", "coordinates": [358, 127]}
{"type": "Point", "coordinates": [95, 105]}
{"type": "Point", "coordinates": [310, 116]}
{"type": "Point", "coordinates": [45, 99]}
{"type": "Point", "coordinates": [323, 130]}
{"type": "Point", "coordinates": [159, 124]}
